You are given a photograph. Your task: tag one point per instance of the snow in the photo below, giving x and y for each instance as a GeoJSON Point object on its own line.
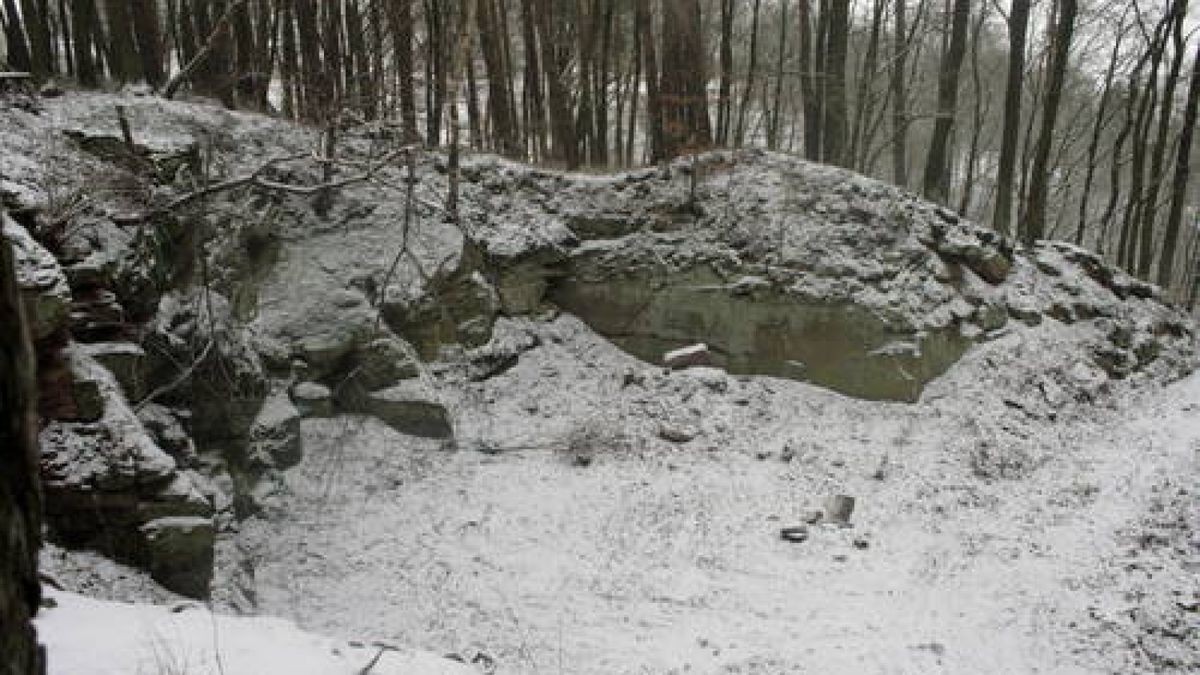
{"type": "Point", "coordinates": [84, 636]}
{"type": "Point", "coordinates": [1028, 514]}
{"type": "Point", "coordinates": [666, 558]}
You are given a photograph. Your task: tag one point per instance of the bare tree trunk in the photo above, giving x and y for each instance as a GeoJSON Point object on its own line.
{"type": "Point", "coordinates": [834, 125]}
{"type": "Point", "coordinates": [977, 118]}
{"type": "Point", "coordinates": [83, 14]}
{"type": "Point", "coordinates": [37, 28]}
{"type": "Point", "coordinates": [400, 19]}
{"type": "Point", "coordinates": [20, 493]}
{"type": "Point", "coordinates": [900, 97]}
{"type": "Point", "coordinates": [123, 64]}
{"type": "Point", "coordinates": [654, 116]}
{"type": "Point", "coordinates": [555, 62]}
{"type": "Point", "coordinates": [500, 107]}
{"type": "Point", "coordinates": [751, 71]}
{"type": "Point", "coordinates": [777, 104]}
{"type": "Point", "coordinates": [1097, 131]}
{"type": "Point", "coordinates": [725, 95]}
{"type": "Point", "coordinates": [1149, 216]}
{"type": "Point", "coordinates": [1179, 184]}
{"type": "Point", "coordinates": [14, 38]}
{"type": "Point", "coordinates": [533, 92]}
{"type": "Point", "coordinates": [459, 58]}
{"type": "Point", "coordinates": [149, 40]}
{"type": "Point", "coordinates": [1018, 26]}
{"type": "Point", "coordinates": [865, 100]}
{"type": "Point", "coordinates": [289, 67]}
{"type": "Point", "coordinates": [683, 92]}
{"type": "Point", "coordinates": [937, 164]}
{"type": "Point", "coordinates": [1127, 248]}
{"type": "Point", "coordinates": [1034, 225]}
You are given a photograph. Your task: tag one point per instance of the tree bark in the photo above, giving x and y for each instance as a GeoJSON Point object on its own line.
{"type": "Point", "coordinates": [148, 36]}
{"type": "Point", "coordinates": [1179, 183]}
{"type": "Point", "coordinates": [751, 72]}
{"type": "Point", "coordinates": [83, 14]}
{"type": "Point", "coordinates": [683, 92]}
{"type": "Point", "coordinates": [1149, 215]}
{"type": "Point", "coordinates": [937, 164]}
{"type": "Point", "coordinates": [20, 493]}
{"type": "Point", "coordinates": [900, 96]}
{"type": "Point", "coordinates": [725, 88]}
{"type": "Point", "coordinates": [834, 123]}
{"type": "Point", "coordinates": [1097, 131]}
{"type": "Point", "coordinates": [1034, 225]}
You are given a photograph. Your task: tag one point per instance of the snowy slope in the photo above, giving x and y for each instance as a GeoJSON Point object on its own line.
{"type": "Point", "coordinates": [1064, 552]}
{"type": "Point", "coordinates": [96, 637]}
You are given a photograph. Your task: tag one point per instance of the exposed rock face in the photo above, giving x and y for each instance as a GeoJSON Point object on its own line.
{"type": "Point", "coordinates": [275, 434]}
{"type": "Point", "coordinates": [44, 289]}
{"type": "Point", "coordinates": [412, 408]}
{"type": "Point", "coordinates": [106, 478]}
{"type": "Point", "coordinates": [797, 270]}
{"type": "Point", "coordinates": [20, 507]}
{"type": "Point", "coordinates": [179, 551]}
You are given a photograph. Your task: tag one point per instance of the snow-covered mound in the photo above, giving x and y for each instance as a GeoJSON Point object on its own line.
{"type": "Point", "coordinates": [97, 637]}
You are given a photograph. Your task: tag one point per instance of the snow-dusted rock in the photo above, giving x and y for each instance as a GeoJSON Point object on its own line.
{"type": "Point", "coordinates": [412, 408]}
{"type": "Point", "coordinates": [313, 399]}
{"type": "Point", "coordinates": [179, 553]}
{"type": "Point", "coordinates": [274, 439]}
{"type": "Point", "coordinates": [44, 289]}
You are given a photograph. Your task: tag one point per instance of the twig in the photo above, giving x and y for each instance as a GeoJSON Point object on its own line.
{"type": "Point", "coordinates": [257, 178]}
{"type": "Point", "coordinates": [177, 381]}
{"type": "Point", "coordinates": [375, 660]}
{"type": "Point", "coordinates": [410, 195]}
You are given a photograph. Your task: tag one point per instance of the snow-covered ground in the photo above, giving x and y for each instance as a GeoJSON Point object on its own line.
{"type": "Point", "coordinates": [97, 637]}
{"type": "Point", "coordinates": [1071, 553]}
{"type": "Point", "coordinates": [599, 515]}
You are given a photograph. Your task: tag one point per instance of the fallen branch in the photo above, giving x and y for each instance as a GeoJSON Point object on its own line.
{"type": "Point", "coordinates": [257, 178]}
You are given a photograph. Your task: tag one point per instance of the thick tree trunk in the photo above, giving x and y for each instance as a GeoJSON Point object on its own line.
{"type": "Point", "coordinates": [555, 62]}
{"type": "Point", "coordinates": [725, 88]}
{"type": "Point", "coordinates": [500, 107]}
{"type": "Point", "coordinates": [148, 36]}
{"type": "Point", "coordinates": [123, 64]}
{"type": "Point", "coordinates": [533, 96]}
{"type": "Point", "coordinates": [936, 182]}
{"type": "Point", "coordinates": [14, 38]}
{"type": "Point", "coordinates": [1149, 215]}
{"type": "Point", "coordinates": [20, 499]}
{"type": "Point", "coordinates": [400, 18]}
{"type": "Point", "coordinates": [37, 29]}
{"type": "Point", "coordinates": [683, 92]}
{"type": "Point", "coordinates": [83, 14]}
{"type": "Point", "coordinates": [835, 122]}
{"type": "Point", "coordinates": [775, 119]}
{"type": "Point", "coordinates": [1034, 225]}
{"type": "Point", "coordinates": [1179, 184]}
{"type": "Point", "coordinates": [751, 71]}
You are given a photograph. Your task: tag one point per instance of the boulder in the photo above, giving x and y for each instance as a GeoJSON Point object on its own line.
{"type": "Point", "coordinates": [412, 408]}
{"type": "Point", "coordinates": [166, 427]}
{"type": "Point", "coordinates": [313, 399]}
{"type": "Point", "coordinates": [178, 552]}
{"type": "Point", "coordinates": [275, 434]}
{"type": "Point", "coordinates": [126, 361]}
{"type": "Point", "coordinates": [383, 362]}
